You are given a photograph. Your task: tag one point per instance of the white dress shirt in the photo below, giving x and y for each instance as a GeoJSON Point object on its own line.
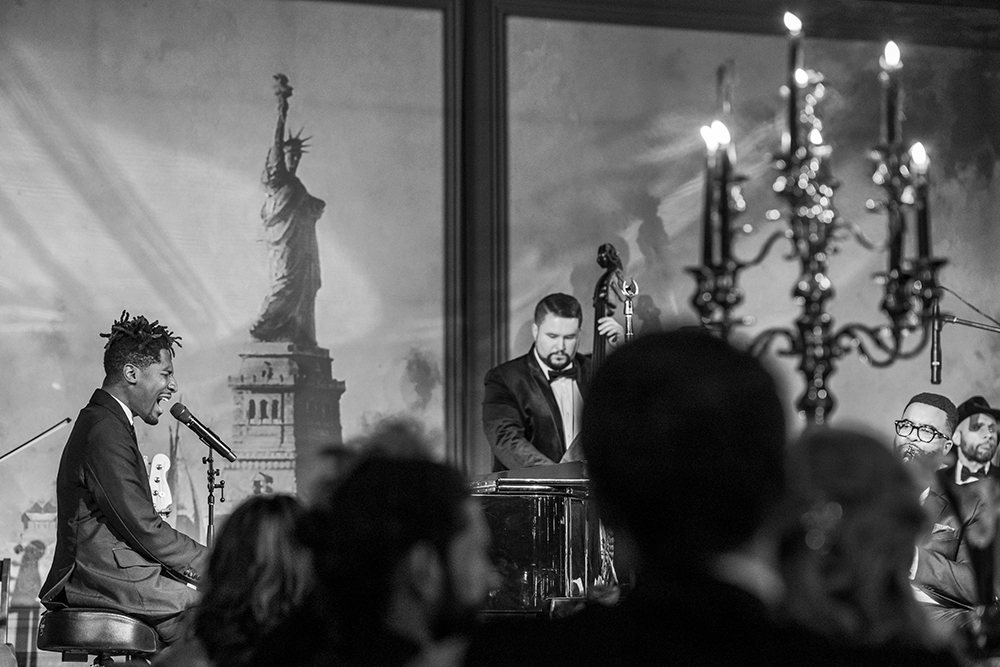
{"type": "Point", "coordinates": [128, 413]}
{"type": "Point", "coordinates": [570, 402]}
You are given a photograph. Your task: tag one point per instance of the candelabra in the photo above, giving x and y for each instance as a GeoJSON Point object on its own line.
{"type": "Point", "coordinates": [815, 230]}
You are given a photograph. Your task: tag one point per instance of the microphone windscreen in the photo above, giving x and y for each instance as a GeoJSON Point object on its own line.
{"type": "Point", "coordinates": [180, 413]}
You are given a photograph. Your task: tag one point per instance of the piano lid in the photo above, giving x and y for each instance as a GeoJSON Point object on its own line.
{"type": "Point", "coordinates": [560, 478]}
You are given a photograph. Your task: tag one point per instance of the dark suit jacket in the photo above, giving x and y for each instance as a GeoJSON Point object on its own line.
{"type": "Point", "coordinates": [521, 416]}
{"type": "Point", "coordinates": [944, 565]}
{"type": "Point", "coordinates": [112, 549]}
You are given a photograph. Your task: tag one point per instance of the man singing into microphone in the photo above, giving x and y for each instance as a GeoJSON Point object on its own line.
{"type": "Point", "coordinates": [113, 550]}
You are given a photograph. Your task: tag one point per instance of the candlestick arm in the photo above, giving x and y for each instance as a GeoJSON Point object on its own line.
{"type": "Point", "coordinates": [883, 345]}
{"type": "Point", "coordinates": [761, 344]}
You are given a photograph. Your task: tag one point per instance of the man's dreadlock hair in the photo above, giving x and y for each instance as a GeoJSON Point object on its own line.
{"type": "Point", "coordinates": [137, 341]}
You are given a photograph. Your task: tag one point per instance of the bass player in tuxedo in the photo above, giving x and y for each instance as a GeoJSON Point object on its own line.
{"type": "Point", "coordinates": [113, 550]}
{"type": "Point", "coordinates": [533, 404]}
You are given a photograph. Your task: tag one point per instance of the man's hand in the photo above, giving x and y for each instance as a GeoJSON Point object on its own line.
{"type": "Point", "coordinates": [608, 327]}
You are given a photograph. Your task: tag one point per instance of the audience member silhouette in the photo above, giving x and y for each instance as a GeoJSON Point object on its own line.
{"type": "Point", "coordinates": [401, 551]}
{"type": "Point", "coordinates": [853, 519]}
{"type": "Point", "coordinates": [258, 574]}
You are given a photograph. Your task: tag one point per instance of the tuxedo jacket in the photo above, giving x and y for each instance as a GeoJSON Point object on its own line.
{"type": "Point", "coordinates": [112, 549]}
{"type": "Point", "coordinates": [520, 414]}
{"type": "Point", "coordinates": [945, 569]}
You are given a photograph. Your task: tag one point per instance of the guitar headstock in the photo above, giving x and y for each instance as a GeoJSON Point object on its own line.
{"type": "Point", "coordinates": [162, 499]}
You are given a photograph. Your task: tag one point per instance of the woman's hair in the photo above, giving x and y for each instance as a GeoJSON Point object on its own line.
{"type": "Point", "coordinates": [258, 574]}
{"type": "Point", "coordinates": [853, 520]}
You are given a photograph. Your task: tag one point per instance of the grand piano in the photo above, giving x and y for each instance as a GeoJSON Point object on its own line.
{"type": "Point", "coordinates": [548, 545]}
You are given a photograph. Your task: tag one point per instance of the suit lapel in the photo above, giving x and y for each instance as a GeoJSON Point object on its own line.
{"type": "Point", "coordinates": [585, 370]}
{"type": "Point", "coordinates": [962, 498]}
{"type": "Point", "coordinates": [108, 402]}
{"type": "Point", "coordinates": [542, 383]}
{"type": "Point", "coordinates": [105, 400]}
{"type": "Point", "coordinates": [935, 504]}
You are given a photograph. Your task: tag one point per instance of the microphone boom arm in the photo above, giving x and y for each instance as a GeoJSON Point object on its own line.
{"type": "Point", "coordinates": [59, 424]}
{"type": "Point", "coordinates": [951, 319]}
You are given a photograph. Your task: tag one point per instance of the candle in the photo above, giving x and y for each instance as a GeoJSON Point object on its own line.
{"type": "Point", "coordinates": [724, 84]}
{"type": "Point", "coordinates": [892, 94]}
{"type": "Point", "coordinates": [896, 230]}
{"type": "Point", "coordinates": [794, 26]}
{"type": "Point", "coordinates": [708, 229]}
{"type": "Point", "coordinates": [921, 163]}
{"type": "Point", "coordinates": [725, 232]}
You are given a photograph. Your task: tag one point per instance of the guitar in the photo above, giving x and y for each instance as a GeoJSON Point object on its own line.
{"type": "Point", "coordinates": [162, 500]}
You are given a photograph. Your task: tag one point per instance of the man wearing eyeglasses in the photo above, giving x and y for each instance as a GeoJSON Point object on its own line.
{"type": "Point", "coordinates": [942, 573]}
{"type": "Point", "coordinates": [923, 433]}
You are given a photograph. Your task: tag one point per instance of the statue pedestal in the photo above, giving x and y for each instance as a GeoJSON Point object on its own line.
{"type": "Point", "coordinates": [287, 411]}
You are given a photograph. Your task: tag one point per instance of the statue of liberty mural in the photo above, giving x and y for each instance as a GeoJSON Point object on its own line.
{"type": "Point", "coordinates": [288, 313]}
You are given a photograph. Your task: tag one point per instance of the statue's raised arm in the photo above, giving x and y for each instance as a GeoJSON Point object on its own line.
{"type": "Point", "coordinates": [276, 155]}
{"type": "Point", "coordinates": [289, 215]}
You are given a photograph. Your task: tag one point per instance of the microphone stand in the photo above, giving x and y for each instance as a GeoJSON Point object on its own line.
{"type": "Point", "coordinates": [213, 472]}
{"type": "Point", "coordinates": [938, 322]}
{"type": "Point", "coordinates": [38, 437]}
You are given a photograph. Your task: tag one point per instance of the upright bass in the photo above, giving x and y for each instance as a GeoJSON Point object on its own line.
{"type": "Point", "coordinates": [608, 285]}
{"type": "Point", "coordinates": [607, 259]}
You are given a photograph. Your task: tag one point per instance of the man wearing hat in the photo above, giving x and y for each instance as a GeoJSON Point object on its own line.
{"type": "Point", "coordinates": [975, 441]}
{"type": "Point", "coordinates": [951, 567]}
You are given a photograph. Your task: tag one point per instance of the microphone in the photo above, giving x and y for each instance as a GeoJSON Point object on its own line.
{"type": "Point", "coordinates": [184, 416]}
{"type": "Point", "coordinates": [936, 325]}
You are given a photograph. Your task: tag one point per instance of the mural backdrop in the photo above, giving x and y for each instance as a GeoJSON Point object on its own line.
{"type": "Point", "coordinates": [135, 138]}
{"type": "Point", "coordinates": [136, 134]}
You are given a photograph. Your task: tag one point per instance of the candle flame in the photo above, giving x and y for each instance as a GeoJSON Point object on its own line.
{"type": "Point", "coordinates": [891, 54]}
{"type": "Point", "coordinates": [721, 132]}
{"type": "Point", "coordinates": [919, 159]}
{"type": "Point", "coordinates": [793, 24]}
{"type": "Point", "coordinates": [801, 77]}
{"type": "Point", "coordinates": [711, 143]}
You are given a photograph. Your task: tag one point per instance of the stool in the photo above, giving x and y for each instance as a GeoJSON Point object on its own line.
{"type": "Point", "coordinates": [81, 632]}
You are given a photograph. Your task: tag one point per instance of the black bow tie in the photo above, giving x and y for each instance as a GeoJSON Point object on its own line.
{"type": "Point", "coordinates": [967, 474]}
{"type": "Point", "coordinates": [571, 372]}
